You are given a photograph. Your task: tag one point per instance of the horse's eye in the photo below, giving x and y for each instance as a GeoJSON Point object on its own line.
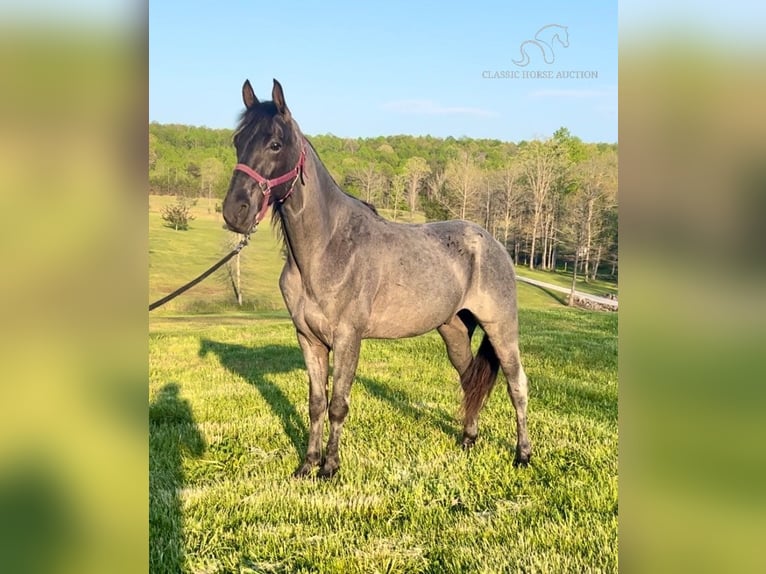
{"type": "Point", "coordinates": [276, 146]}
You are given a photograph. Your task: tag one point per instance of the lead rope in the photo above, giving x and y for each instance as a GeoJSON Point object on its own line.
{"type": "Point", "coordinates": [193, 282]}
{"type": "Point", "coordinates": [241, 244]}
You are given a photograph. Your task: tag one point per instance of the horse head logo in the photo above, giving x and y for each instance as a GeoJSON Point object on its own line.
{"type": "Point", "coordinates": [544, 42]}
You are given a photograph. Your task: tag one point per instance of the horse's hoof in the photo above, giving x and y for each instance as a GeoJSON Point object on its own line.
{"type": "Point", "coordinates": [468, 442]}
{"type": "Point", "coordinates": [521, 459]}
{"type": "Point", "coordinates": [304, 470]}
{"type": "Point", "coordinates": [326, 473]}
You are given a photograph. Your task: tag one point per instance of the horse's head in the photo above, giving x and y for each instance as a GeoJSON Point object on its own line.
{"type": "Point", "coordinates": [269, 159]}
{"type": "Point", "coordinates": [563, 36]}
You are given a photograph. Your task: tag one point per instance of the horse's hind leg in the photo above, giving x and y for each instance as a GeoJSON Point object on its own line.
{"type": "Point", "coordinates": [518, 391]}
{"type": "Point", "coordinates": [506, 348]}
{"type": "Point", "coordinates": [457, 334]}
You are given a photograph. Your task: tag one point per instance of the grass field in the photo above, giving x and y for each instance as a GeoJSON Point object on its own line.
{"type": "Point", "coordinates": [228, 424]}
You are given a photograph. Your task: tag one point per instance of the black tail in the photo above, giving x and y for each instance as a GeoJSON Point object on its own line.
{"type": "Point", "coordinates": [479, 378]}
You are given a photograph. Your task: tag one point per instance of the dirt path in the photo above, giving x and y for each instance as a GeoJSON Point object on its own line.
{"type": "Point", "coordinates": [612, 303]}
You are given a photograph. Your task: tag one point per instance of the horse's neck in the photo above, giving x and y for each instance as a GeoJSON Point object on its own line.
{"type": "Point", "coordinates": [309, 217]}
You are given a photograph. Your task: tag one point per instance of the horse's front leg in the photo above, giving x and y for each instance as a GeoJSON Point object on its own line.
{"type": "Point", "coordinates": [316, 356]}
{"type": "Point", "coordinates": [345, 359]}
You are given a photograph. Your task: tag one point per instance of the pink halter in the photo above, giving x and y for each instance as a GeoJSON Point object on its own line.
{"type": "Point", "coordinates": [268, 184]}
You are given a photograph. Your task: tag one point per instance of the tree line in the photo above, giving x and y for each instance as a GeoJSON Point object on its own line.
{"type": "Point", "coordinates": [552, 202]}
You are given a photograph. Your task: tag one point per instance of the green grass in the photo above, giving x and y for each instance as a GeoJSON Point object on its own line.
{"type": "Point", "coordinates": [228, 425]}
{"type": "Point", "coordinates": [176, 257]}
{"type": "Point", "coordinates": [561, 278]}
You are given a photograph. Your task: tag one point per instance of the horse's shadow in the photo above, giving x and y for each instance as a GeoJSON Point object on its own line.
{"type": "Point", "coordinates": [405, 404]}
{"type": "Point", "coordinates": [254, 364]}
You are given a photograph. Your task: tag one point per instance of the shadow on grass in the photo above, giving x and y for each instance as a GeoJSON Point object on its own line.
{"type": "Point", "coordinates": [557, 296]}
{"type": "Point", "coordinates": [570, 399]}
{"type": "Point", "coordinates": [253, 365]}
{"type": "Point", "coordinates": [173, 434]}
{"type": "Point", "coordinates": [405, 404]}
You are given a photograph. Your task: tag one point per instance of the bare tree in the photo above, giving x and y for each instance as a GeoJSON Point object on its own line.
{"type": "Point", "coordinates": [436, 185]}
{"type": "Point", "coordinates": [548, 236]}
{"type": "Point", "coordinates": [463, 182]}
{"type": "Point", "coordinates": [574, 231]}
{"type": "Point", "coordinates": [350, 145]}
{"type": "Point", "coordinates": [492, 194]}
{"type": "Point", "coordinates": [597, 186]}
{"type": "Point", "coordinates": [371, 182]}
{"type": "Point", "coordinates": [398, 186]}
{"type": "Point", "coordinates": [509, 179]}
{"type": "Point", "coordinates": [541, 164]}
{"type": "Point", "coordinates": [415, 171]}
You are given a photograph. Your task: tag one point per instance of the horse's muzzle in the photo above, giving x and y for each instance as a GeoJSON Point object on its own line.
{"type": "Point", "coordinates": [238, 216]}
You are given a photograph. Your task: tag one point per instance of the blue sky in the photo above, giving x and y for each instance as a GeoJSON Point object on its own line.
{"type": "Point", "coordinates": [357, 69]}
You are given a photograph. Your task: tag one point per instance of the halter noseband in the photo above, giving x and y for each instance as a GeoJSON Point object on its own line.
{"type": "Point", "coordinates": [268, 184]}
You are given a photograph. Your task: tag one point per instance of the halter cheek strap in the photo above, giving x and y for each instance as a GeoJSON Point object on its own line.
{"type": "Point", "coordinates": [268, 184]}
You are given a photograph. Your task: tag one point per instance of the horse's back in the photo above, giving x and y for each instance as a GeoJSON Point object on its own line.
{"type": "Point", "coordinates": [488, 256]}
{"type": "Point", "coordinates": [431, 271]}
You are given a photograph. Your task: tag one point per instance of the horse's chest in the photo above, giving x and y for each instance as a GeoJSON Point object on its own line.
{"type": "Point", "coordinates": [318, 320]}
{"type": "Point", "coordinates": [322, 303]}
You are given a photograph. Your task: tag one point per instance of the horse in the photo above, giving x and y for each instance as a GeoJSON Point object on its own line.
{"type": "Point", "coordinates": [544, 38]}
{"type": "Point", "coordinates": [350, 274]}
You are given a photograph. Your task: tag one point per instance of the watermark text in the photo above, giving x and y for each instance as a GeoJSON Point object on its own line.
{"type": "Point", "coordinates": [539, 74]}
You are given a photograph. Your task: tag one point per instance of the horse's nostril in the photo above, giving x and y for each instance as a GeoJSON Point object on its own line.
{"type": "Point", "coordinates": [242, 209]}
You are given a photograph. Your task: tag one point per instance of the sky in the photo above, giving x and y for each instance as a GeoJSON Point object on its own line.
{"type": "Point", "coordinates": [365, 69]}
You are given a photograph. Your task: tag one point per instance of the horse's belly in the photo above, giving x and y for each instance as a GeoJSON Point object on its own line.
{"type": "Point", "coordinates": [394, 330]}
{"type": "Point", "coordinates": [407, 314]}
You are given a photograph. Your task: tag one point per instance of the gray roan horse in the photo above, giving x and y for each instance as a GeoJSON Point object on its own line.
{"type": "Point", "coordinates": [350, 274]}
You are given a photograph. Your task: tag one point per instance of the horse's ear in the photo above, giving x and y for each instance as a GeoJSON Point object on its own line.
{"type": "Point", "coordinates": [248, 95]}
{"type": "Point", "coordinates": [278, 96]}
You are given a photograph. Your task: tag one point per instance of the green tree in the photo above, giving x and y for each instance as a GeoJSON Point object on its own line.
{"type": "Point", "coordinates": [153, 156]}
{"type": "Point", "coordinates": [518, 191]}
{"type": "Point", "coordinates": [211, 172]}
{"type": "Point", "coordinates": [178, 215]}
